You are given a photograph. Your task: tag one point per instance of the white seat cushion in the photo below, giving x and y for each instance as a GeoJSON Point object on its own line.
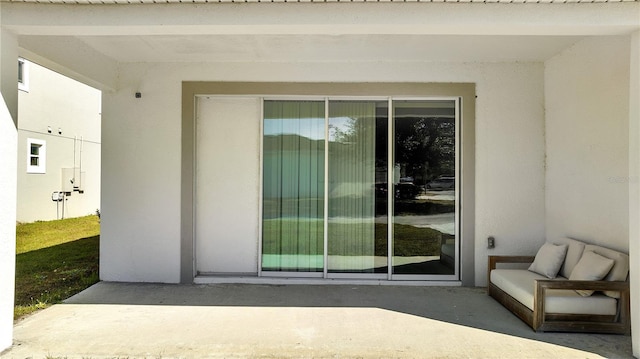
{"type": "Point", "coordinates": [520, 285]}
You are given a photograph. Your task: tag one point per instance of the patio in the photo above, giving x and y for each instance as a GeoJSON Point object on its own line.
{"type": "Point", "coordinates": [118, 320]}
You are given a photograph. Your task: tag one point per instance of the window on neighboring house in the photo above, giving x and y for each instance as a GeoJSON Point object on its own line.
{"type": "Point", "coordinates": [36, 156]}
{"type": "Point", "coordinates": [23, 74]}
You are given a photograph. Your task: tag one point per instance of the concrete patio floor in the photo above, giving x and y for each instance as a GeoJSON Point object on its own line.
{"type": "Point", "coordinates": [123, 320]}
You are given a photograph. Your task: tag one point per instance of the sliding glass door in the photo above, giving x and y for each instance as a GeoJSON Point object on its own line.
{"type": "Point", "coordinates": [424, 202]}
{"type": "Point", "coordinates": [293, 186]}
{"type": "Point", "coordinates": [357, 241]}
{"type": "Point", "coordinates": [332, 205]}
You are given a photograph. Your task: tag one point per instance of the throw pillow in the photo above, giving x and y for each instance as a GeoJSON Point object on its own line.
{"type": "Point", "coordinates": [591, 266]}
{"type": "Point", "coordinates": [549, 259]}
{"type": "Point", "coordinates": [620, 269]}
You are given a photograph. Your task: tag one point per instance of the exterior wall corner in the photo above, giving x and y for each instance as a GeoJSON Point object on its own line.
{"type": "Point", "coordinates": [8, 182]}
{"type": "Point", "coordinates": [634, 189]}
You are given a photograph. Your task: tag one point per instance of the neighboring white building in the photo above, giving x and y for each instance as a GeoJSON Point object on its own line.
{"type": "Point", "coordinates": [545, 95]}
{"type": "Point", "coordinates": [58, 145]}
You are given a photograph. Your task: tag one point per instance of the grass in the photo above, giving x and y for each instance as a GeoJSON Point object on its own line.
{"type": "Point", "coordinates": [409, 240]}
{"type": "Point", "coordinates": [54, 260]}
{"type": "Point", "coordinates": [38, 235]}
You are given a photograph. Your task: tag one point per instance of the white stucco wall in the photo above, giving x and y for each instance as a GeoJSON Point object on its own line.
{"type": "Point", "coordinates": [140, 223]}
{"type": "Point", "coordinates": [634, 188]}
{"type": "Point", "coordinates": [141, 205]}
{"type": "Point", "coordinates": [8, 143]}
{"type": "Point", "coordinates": [587, 123]}
{"type": "Point", "coordinates": [58, 102]}
{"type": "Point", "coordinates": [509, 164]}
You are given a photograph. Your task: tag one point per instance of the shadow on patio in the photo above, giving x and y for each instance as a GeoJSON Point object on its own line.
{"type": "Point", "coordinates": [234, 320]}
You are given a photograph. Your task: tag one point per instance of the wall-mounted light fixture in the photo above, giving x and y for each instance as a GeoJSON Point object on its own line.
{"type": "Point", "coordinates": [49, 129]}
{"type": "Point", "coordinates": [59, 130]}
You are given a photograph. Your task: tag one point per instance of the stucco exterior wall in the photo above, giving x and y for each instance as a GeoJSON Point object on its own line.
{"type": "Point", "coordinates": [141, 226]}
{"type": "Point", "coordinates": [634, 187]}
{"type": "Point", "coordinates": [61, 104]}
{"type": "Point", "coordinates": [140, 223]}
{"type": "Point", "coordinates": [8, 143]}
{"type": "Point", "coordinates": [587, 124]}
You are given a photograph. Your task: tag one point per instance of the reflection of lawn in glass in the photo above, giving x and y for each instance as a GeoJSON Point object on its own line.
{"type": "Point", "coordinates": [412, 241]}
{"type": "Point", "coordinates": [293, 236]}
{"type": "Point", "coordinates": [409, 240]}
{"type": "Point", "coordinates": [412, 207]}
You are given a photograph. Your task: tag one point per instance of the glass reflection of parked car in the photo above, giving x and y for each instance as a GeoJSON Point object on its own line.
{"type": "Point", "coordinates": [381, 190]}
{"type": "Point", "coordinates": [442, 183]}
{"type": "Point", "coordinates": [403, 190]}
{"type": "Point", "coordinates": [406, 190]}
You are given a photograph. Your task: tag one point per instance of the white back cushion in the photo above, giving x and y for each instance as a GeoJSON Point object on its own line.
{"type": "Point", "coordinates": [592, 266]}
{"type": "Point", "coordinates": [574, 253]}
{"type": "Point", "coordinates": [620, 269]}
{"type": "Point", "coordinates": [549, 259]}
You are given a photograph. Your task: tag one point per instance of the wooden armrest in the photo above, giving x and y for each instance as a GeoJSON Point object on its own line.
{"type": "Point", "coordinates": [494, 260]}
{"type": "Point", "coordinates": [600, 285]}
{"type": "Point", "coordinates": [541, 285]}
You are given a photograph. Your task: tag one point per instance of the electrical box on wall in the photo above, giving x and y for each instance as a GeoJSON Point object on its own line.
{"type": "Point", "coordinates": [67, 180]}
{"type": "Point", "coordinates": [72, 180]}
{"type": "Point", "coordinates": [57, 196]}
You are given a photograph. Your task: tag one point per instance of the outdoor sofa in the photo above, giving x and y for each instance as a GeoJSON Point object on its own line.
{"type": "Point", "coordinates": [570, 286]}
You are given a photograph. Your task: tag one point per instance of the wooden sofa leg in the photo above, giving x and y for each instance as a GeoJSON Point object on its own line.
{"type": "Point", "coordinates": [538, 307]}
{"type": "Point", "coordinates": [624, 311]}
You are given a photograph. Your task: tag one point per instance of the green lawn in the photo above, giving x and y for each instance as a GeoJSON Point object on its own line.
{"type": "Point", "coordinates": [288, 236]}
{"type": "Point", "coordinates": [54, 260]}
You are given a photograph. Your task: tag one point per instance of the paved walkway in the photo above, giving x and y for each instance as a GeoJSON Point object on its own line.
{"type": "Point", "coordinates": [119, 320]}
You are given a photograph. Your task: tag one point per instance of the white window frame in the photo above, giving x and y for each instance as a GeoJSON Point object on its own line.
{"type": "Point", "coordinates": [42, 156]}
{"type": "Point", "coordinates": [23, 71]}
{"type": "Point", "coordinates": [388, 277]}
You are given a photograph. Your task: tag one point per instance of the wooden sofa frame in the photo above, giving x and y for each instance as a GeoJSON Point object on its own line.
{"type": "Point", "coordinates": [552, 322]}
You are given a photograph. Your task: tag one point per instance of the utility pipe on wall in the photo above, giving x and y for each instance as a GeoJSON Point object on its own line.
{"type": "Point", "coordinates": [75, 139]}
{"type": "Point", "coordinates": [79, 179]}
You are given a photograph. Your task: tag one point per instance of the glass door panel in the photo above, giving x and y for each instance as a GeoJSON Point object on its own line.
{"type": "Point", "coordinates": [357, 224]}
{"type": "Point", "coordinates": [293, 186]}
{"type": "Point", "coordinates": [367, 210]}
{"type": "Point", "coordinates": [424, 186]}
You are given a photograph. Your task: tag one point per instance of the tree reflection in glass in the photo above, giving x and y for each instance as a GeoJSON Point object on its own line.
{"type": "Point", "coordinates": [424, 187]}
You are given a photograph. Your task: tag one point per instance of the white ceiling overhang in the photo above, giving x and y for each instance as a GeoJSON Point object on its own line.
{"type": "Point", "coordinates": [125, 2]}
{"type": "Point", "coordinates": [89, 36]}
